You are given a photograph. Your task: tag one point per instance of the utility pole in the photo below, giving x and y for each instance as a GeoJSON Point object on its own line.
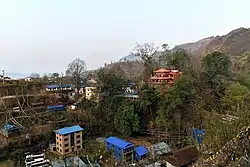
{"type": "Point", "coordinates": [3, 76]}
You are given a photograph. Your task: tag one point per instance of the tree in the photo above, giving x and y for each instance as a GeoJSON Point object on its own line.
{"type": "Point", "coordinates": [179, 60]}
{"type": "Point", "coordinates": [126, 120]}
{"type": "Point", "coordinates": [146, 52]}
{"type": "Point", "coordinates": [176, 107]}
{"type": "Point", "coordinates": [76, 70]}
{"type": "Point", "coordinates": [213, 80]}
{"type": "Point", "coordinates": [216, 63]}
{"type": "Point", "coordinates": [55, 75]}
{"type": "Point", "coordinates": [34, 75]}
{"type": "Point", "coordinates": [235, 94]}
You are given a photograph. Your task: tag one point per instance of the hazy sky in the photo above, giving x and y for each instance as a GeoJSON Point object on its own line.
{"type": "Point", "coordinates": [45, 35]}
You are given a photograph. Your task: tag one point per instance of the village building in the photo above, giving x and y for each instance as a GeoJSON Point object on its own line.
{"type": "Point", "coordinates": [164, 77]}
{"type": "Point", "coordinates": [59, 87]}
{"type": "Point", "coordinates": [32, 160]}
{"type": "Point", "coordinates": [130, 92]}
{"type": "Point", "coordinates": [160, 149]}
{"type": "Point", "coordinates": [122, 150]}
{"type": "Point", "coordinates": [140, 153]}
{"type": "Point", "coordinates": [28, 79]}
{"type": "Point", "coordinates": [69, 139]}
{"type": "Point", "coordinates": [91, 90]}
{"type": "Point", "coordinates": [9, 130]}
{"type": "Point", "coordinates": [182, 157]}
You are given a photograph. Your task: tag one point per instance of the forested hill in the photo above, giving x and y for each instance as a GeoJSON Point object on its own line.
{"type": "Point", "coordinates": [234, 44]}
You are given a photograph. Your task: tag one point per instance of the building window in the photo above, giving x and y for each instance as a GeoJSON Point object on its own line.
{"type": "Point", "coordinates": [78, 147]}
{"type": "Point", "coordinates": [66, 145]}
{"type": "Point", "coordinates": [66, 139]}
{"type": "Point", "coordinates": [57, 143]}
{"type": "Point", "coordinates": [60, 150]}
{"type": "Point", "coordinates": [57, 148]}
{"type": "Point", "coordinates": [67, 150]}
{"type": "Point", "coordinates": [78, 142]}
{"type": "Point", "coordinates": [78, 136]}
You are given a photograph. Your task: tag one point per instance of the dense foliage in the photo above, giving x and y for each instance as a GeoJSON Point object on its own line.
{"type": "Point", "coordinates": [200, 98]}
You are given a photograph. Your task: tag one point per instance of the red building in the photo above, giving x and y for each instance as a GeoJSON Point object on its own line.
{"type": "Point", "coordinates": [164, 76]}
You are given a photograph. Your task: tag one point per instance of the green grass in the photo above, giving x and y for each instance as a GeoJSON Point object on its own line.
{"type": "Point", "coordinates": [6, 163]}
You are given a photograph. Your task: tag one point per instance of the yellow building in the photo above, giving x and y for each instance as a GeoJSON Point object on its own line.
{"type": "Point", "coordinates": [69, 139]}
{"type": "Point", "coordinates": [90, 92]}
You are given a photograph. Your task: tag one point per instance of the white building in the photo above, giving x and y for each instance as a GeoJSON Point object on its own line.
{"type": "Point", "coordinates": [37, 160]}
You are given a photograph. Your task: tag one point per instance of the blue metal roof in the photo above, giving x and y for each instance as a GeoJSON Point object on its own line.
{"type": "Point", "coordinates": [141, 150]}
{"type": "Point", "coordinates": [10, 127]}
{"type": "Point", "coordinates": [68, 130]}
{"type": "Point", "coordinates": [118, 142]}
{"type": "Point", "coordinates": [51, 86]}
{"type": "Point", "coordinates": [58, 86]}
{"type": "Point", "coordinates": [55, 106]}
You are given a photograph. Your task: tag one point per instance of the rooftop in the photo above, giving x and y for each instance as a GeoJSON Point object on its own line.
{"type": "Point", "coordinates": [59, 86]}
{"type": "Point", "coordinates": [9, 127]}
{"type": "Point", "coordinates": [118, 142]}
{"type": "Point", "coordinates": [162, 70]}
{"type": "Point", "coordinates": [68, 130]}
{"type": "Point", "coordinates": [183, 156]}
{"type": "Point", "coordinates": [141, 150]}
{"type": "Point", "coordinates": [161, 148]}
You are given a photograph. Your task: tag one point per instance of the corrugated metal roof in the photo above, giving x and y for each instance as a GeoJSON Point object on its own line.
{"type": "Point", "coordinates": [161, 148]}
{"type": "Point", "coordinates": [68, 130]}
{"type": "Point", "coordinates": [118, 142]}
{"type": "Point", "coordinates": [55, 106]}
{"type": "Point", "coordinates": [10, 127]}
{"type": "Point", "coordinates": [141, 150]}
{"type": "Point", "coordinates": [59, 86]}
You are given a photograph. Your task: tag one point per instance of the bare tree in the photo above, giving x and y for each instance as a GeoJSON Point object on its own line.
{"type": "Point", "coordinates": [146, 52]}
{"type": "Point", "coordinates": [35, 75]}
{"type": "Point", "coordinates": [76, 70]}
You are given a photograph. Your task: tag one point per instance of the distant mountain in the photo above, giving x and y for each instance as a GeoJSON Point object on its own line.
{"type": "Point", "coordinates": [130, 57]}
{"type": "Point", "coordinates": [234, 43]}
{"type": "Point", "coordinates": [16, 75]}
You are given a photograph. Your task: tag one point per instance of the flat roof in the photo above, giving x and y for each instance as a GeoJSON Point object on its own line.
{"type": "Point", "coordinates": [68, 130]}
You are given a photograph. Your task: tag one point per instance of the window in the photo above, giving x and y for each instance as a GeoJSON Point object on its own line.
{"type": "Point", "coordinates": [66, 145]}
{"type": "Point", "coordinates": [78, 147]}
{"type": "Point", "coordinates": [60, 145]}
{"type": "Point", "coordinates": [78, 142]}
{"type": "Point", "coordinates": [57, 148]}
{"type": "Point", "coordinates": [60, 150]}
{"type": "Point", "coordinates": [78, 136]}
{"type": "Point", "coordinates": [66, 139]}
{"type": "Point", "coordinates": [67, 150]}
{"type": "Point", "coordinates": [57, 143]}
{"type": "Point", "coordinates": [60, 139]}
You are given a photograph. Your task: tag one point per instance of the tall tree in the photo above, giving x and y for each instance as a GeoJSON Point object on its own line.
{"type": "Point", "coordinates": [76, 70]}
{"type": "Point", "coordinates": [126, 120]}
{"type": "Point", "coordinates": [55, 75]}
{"type": "Point", "coordinates": [179, 60]}
{"type": "Point", "coordinates": [146, 52]}
{"type": "Point", "coordinates": [35, 75]}
{"type": "Point", "coordinates": [213, 80]}
{"type": "Point", "coordinates": [216, 63]}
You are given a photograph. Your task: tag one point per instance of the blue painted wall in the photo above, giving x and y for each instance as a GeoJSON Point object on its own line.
{"type": "Point", "coordinates": [116, 151]}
